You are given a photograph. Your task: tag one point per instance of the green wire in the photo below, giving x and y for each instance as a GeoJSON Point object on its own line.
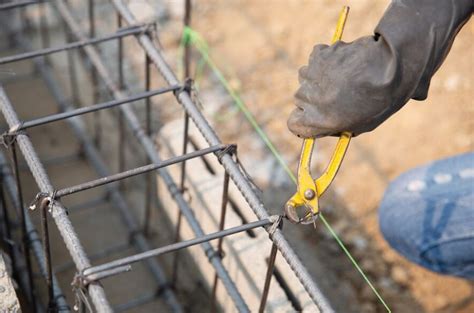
{"type": "Point", "coordinates": [191, 36]}
{"type": "Point", "coordinates": [354, 262]}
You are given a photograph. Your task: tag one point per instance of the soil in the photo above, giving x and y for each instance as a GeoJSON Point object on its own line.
{"type": "Point", "coordinates": [259, 45]}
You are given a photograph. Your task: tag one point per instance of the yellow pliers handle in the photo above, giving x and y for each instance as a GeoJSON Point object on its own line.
{"type": "Point", "coordinates": [308, 189]}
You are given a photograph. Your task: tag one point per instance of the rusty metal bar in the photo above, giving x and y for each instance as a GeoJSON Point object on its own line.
{"type": "Point", "coordinates": [234, 170]}
{"type": "Point", "coordinates": [151, 151]}
{"type": "Point", "coordinates": [58, 212]}
{"type": "Point", "coordinates": [128, 31]}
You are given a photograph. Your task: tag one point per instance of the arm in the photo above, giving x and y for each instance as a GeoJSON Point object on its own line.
{"type": "Point", "coordinates": [356, 86]}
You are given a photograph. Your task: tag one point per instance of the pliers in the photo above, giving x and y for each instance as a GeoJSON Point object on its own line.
{"type": "Point", "coordinates": [308, 189]}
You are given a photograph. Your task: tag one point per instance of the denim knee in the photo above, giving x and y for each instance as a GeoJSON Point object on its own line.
{"type": "Point", "coordinates": [427, 215]}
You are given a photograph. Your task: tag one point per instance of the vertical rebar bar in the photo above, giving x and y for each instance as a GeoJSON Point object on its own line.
{"type": "Point", "coordinates": [43, 25]}
{"type": "Point", "coordinates": [186, 64]}
{"type": "Point", "coordinates": [7, 224]}
{"type": "Point", "coordinates": [25, 22]}
{"type": "Point", "coordinates": [35, 245]}
{"type": "Point", "coordinates": [71, 68]}
{"type": "Point", "coordinates": [94, 79]}
{"type": "Point", "coordinates": [120, 121]}
{"type": "Point", "coordinates": [225, 200]}
{"type": "Point", "coordinates": [268, 278]}
{"type": "Point", "coordinates": [43, 207]}
{"type": "Point", "coordinates": [24, 236]}
{"type": "Point", "coordinates": [148, 130]}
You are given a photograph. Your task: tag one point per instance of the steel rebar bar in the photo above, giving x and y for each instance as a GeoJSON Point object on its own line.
{"type": "Point", "coordinates": [134, 172]}
{"type": "Point", "coordinates": [33, 238]}
{"type": "Point", "coordinates": [186, 65]}
{"type": "Point", "coordinates": [73, 45]}
{"type": "Point", "coordinates": [229, 164]}
{"type": "Point", "coordinates": [17, 4]}
{"type": "Point", "coordinates": [268, 278]}
{"type": "Point", "coordinates": [47, 253]}
{"type": "Point", "coordinates": [224, 202]}
{"type": "Point", "coordinates": [115, 195]}
{"type": "Point", "coordinates": [59, 213]}
{"type": "Point", "coordinates": [21, 209]}
{"type": "Point", "coordinates": [176, 246]}
{"type": "Point", "coordinates": [148, 129]}
{"type": "Point", "coordinates": [88, 109]}
{"type": "Point", "coordinates": [149, 147]}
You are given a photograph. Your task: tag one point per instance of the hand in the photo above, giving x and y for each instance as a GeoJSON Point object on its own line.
{"type": "Point", "coordinates": [356, 86]}
{"type": "Point", "coordinates": [342, 89]}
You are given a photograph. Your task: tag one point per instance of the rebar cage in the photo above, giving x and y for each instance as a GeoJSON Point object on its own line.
{"type": "Point", "coordinates": [19, 232]}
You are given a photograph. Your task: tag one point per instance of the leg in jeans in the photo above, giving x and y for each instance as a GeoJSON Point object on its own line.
{"type": "Point", "coordinates": [427, 215]}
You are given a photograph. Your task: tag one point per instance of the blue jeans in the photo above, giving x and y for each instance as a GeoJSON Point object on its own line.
{"type": "Point", "coordinates": [427, 215]}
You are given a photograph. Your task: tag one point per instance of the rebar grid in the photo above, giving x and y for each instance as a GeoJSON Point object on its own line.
{"type": "Point", "coordinates": [86, 282]}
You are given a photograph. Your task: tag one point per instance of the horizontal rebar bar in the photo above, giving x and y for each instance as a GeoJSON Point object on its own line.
{"type": "Point", "coordinates": [18, 4]}
{"type": "Point", "coordinates": [132, 30]}
{"type": "Point", "coordinates": [241, 182]}
{"type": "Point", "coordinates": [89, 109]}
{"type": "Point", "coordinates": [59, 213]}
{"type": "Point", "coordinates": [134, 124]}
{"type": "Point", "coordinates": [109, 272]}
{"type": "Point", "coordinates": [176, 246]}
{"type": "Point", "coordinates": [136, 171]}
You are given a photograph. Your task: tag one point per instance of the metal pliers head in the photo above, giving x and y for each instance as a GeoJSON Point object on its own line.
{"type": "Point", "coordinates": [308, 189]}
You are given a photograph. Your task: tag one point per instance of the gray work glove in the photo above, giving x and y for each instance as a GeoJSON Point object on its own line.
{"type": "Point", "coordinates": [356, 86]}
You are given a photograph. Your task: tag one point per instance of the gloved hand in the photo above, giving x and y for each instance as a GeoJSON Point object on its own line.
{"type": "Point", "coordinates": [356, 86]}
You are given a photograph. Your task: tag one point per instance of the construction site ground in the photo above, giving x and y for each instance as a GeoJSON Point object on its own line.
{"type": "Point", "coordinates": [259, 45]}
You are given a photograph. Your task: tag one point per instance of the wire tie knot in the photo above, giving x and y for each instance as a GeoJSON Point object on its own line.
{"type": "Point", "coordinates": [211, 253]}
{"type": "Point", "coordinates": [79, 284]}
{"type": "Point", "coordinates": [277, 221]}
{"type": "Point", "coordinates": [41, 199]}
{"type": "Point", "coordinates": [229, 149]}
{"type": "Point", "coordinates": [187, 87]}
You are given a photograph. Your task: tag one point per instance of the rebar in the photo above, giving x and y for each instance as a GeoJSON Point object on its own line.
{"type": "Point", "coordinates": [148, 130]}
{"type": "Point", "coordinates": [7, 237]}
{"type": "Point", "coordinates": [73, 45]}
{"type": "Point", "coordinates": [43, 207]}
{"type": "Point", "coordinates": [17, 4]}
{"type": "Point", "coordinates": [59, 213]}
{"type": "Point", "coordinates": [21, 209]}
{"type": "Point", "coordinates": [133, 172]}
{"type": "Point", "coordinates": [88, 109]}
{"type": "Point", "coordinates": [49, 198]}
{"type": "Point", "coordinates": [33, 239]}
{"type": "Point", "coordinates": [268, 277]}
{"type": "Point", "coordinates": [175, 246]}
{"type": "Point", "coordinates": [224, 202]}
{"type": "Point", "coordinates": [114, 194]}
{"type": "Point", "coordinates": [186, 65]}
{"type": "Point", "coordinates": [149, 147]}
{"type": "Point", "coordinates": [228, 163]}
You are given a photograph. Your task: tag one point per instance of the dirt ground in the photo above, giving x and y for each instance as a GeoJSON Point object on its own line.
{"type": "Point", "coordinates": [259, 45]}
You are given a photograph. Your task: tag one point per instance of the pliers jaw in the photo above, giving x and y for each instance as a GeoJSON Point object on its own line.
{"type": "Point", "coordinates": [309, 190]}
{"type": "Point", "coordinates": [306, 196]}
{"type": "Point", "coordinates": [308, 216]}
